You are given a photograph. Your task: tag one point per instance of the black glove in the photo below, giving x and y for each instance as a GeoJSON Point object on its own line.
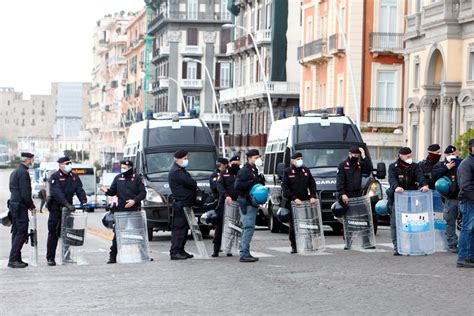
{"type": "Point", "coordinates": [70, 207]}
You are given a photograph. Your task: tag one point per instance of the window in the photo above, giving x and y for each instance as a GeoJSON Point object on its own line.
{"type": "Point", "coordinates": [225, 14]}
{"type": "Point", "coordinates": [268, 11]}
{"type": "Point", "coordinates": [244, 72]}
{"type": "Point", "coordinates": [225, 75]}
{"type": "Point", "coordinates": [340, 87]}
{"type": "Point", "coordinates": [252, 69]}
{"type": "Point", "coordinates": [192, 37]}
{"type": "Point", "coordinates": [309, 30]}
{"type": "Point", "coordinates": [416, 74]}
{"type": "Point", "coordinates": [342, 16]}
{"type": "Point", "coordinates": [192, 100]}
{"type": "Point", "coordinates": [471, 65]}
{"type": "Point", "coordinates": [386, 89]}
{"type": "Point", "coordinates": [191, 72]}
{"type": "Point", "coordinates": [388, 16]}
{"type": "Point", "coordinates": [192, 9]}
{"type": "Point", "coordinates": [307, 101]}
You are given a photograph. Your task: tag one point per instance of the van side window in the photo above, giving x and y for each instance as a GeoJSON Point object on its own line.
{"type": "Point", "coordinates": [287, 157]}
{"type": "Point", "coordinates": [266, 168]}
{"type": "Point", "coordinates": [279, 159]}
{"type": "Point", "coordinates": [138, 163]}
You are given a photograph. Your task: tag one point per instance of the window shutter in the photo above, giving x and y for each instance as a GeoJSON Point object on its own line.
{"type": "Point", "coordinates": [218, 75]}
{"type": "Point", "coordinates": [185, 70]}
{"type": "Point", "coordinates": [192, 37]}
{"type": "Point", "coordinates": [198, 75]}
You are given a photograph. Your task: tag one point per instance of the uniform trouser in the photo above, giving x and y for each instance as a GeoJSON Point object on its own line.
{"type": "Point", "coordinates": [291, 230]}
{"type": "Point", "coordinates": [219, 228]}
{"type": "Point", "coordinates": [466, 237]}
{"type": "Point", "coordinates": [54, 233]}
{"type": "Point", "coordinates": [450, 215]}
{"type": "Point", "coordinates": [393, 230]}
{"type": "Point", "coordinates": [179, 231]}
{"type": "Point", "coordinates": [19, 233]}
{"type": "Point", "coordinates": [113, 248]}
{"type": "Point", "coordinates": [248, 223]}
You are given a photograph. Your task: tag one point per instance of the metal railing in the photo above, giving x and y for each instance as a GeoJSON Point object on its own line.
{"type": "Point", "coordinates": [383, 41]}
{"type": "Point", "coordinates": [385, 115]}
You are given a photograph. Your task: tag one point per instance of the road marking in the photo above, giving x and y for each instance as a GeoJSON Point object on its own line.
{"type": "Point", "coordinates": [417, 275]}
{"type": "Point", "coordinates": [288, 249]}
{"type": "Point", "coordinates": [341, 247]}
{"type": "Point", "coordinates": [100, 233]}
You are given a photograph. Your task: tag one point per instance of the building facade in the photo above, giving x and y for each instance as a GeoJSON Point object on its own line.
{"type": "Point", "coordinates": [439, 70]}
{"type": "Point", "coordinates": [356, 64]}
{"type": "Point", "coordinates": [188, 38]}
{"type": "Point", "coordinates": [275, 27]}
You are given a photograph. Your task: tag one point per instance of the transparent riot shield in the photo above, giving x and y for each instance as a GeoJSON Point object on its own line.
{"type": "Point", "coordinates": [132, 237]}
{"type": "Point", "coordinates": [441, 243]}
{"type": "Point", "coordinates": [33, 238]}
{"type": "Point", "coordinates": [358, 224]}
{"type": "Point", "coordinates": [197, 235]}
{"type": "Point", "coordinates": [73, 228]}
{"type": "Point", "coordinates": [232, 230]}
{"type": "Point", "coordinates": [308, 225]}
{"type": "Point", "coordinates": [414, 220]}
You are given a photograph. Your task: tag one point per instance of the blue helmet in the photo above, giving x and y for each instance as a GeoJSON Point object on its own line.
{"type": "Point", "coordinates": [443, 184]}
{"type": "Point", "coordinates": [381, 208]}
{"type": "Point", "coordinates": [283, 215]}
{"type": "Point", "coordinates": [209, 218]}
{"type": "Point", "coordinates": [108, 220]}
{"type": "Point", "coordinates": [338, 209]}
{"type": "Point", "coordinates": [259, 194]}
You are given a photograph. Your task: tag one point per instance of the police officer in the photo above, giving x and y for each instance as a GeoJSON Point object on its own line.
{"type": "Point", "coordinates": [129, 188]}
{"type": "Point", "coordinates": [227, 194]}
{"type": "Point", "coordinates": [298, 185]}
{"type": "Point", "coordinates": [221, 164]}
{"type": "Point", "coordinates": [427, 165]}
{"type": "Point", "coordinates": [183, 187]}
{"type": "Point", "coordinates": [64, 184]}
{"type": "Point", "coordinates": [349, 179]}
{"type": "Point", "coordinates": [19, 204]}
{"type": "Point", "coordinates": [403, 175]}
{"type": "Point", "coordinates": [449, 168]}
{"type": "Point", "coordinates": [246, 178]}
{"type": "Point", "coordinates": [466, 207]}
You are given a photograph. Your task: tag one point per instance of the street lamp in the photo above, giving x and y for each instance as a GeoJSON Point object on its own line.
{"type": "Point", "coordinates": [185, 108]}
{"type": "Point", "coordinates": [260, 61]}
{"type": "Point", "coordinates": [218, 111]}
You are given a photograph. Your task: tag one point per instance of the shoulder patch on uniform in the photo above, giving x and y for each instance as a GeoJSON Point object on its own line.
{"type": "Point", "coordinates": [52, 181]}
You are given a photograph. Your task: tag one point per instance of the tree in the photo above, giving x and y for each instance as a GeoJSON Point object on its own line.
{"type": "Point", "coordinates": [462, 142]}
{"type": "Point", "coordinates": [70, 153]}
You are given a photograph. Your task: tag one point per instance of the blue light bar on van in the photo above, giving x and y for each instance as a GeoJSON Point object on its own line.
{"type": "Point", "coordinates": [149, 115]}
{"type": "Point", "coordinates": [296, 111]}
{"type": "Point", "coordinates": [282, 114]}
{"type": "Point", "coordinates": [181, 114]}
{"type": "Point", "coordinates": [139, 117]}
{"type": "Point", "coordinates": [340, 110]}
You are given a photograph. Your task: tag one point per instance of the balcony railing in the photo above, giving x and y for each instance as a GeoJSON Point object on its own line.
{"type": "Point", "coordinates": [385, 115]}
{"type": "Point", "coordinates": [312, 51]}
{"type": "Point", "coordinates": [385, 42]}
{"type": "Point", "coordinates": [413, 25]}
{"type": "Point", "coordinates": [190, 83]}
{"type": "Point", "coordinates": [440, 12]}
{"type": "Point", "coordinates": [187, 16]}
{"type": "Point", "coordinates": [263, 36]}
{"type": "Point", "coordinates": [163, 51]}
{"type": "Point", "coordinates": [335, 44]}
{"type": "Point", "coordinates": [258, 89]}
{"type": "Point", "coordinates": [191, 50]}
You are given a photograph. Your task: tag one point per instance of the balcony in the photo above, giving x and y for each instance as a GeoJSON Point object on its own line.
{"type": "Point", "coordinates": [116, 61]}
{"type": "Point", "coordinates": [103, 41]}
{"type": "Point", "coordinates": [256, 90]}
{"type": "Point", "coordinates": [466, 14]}
{"type": "Point", "coordinates": [183, 17]}
{"type": "Point", "coordinates": [263, 37]}
{"type": "Point", "coordinates": [439, 13]}
{"type": "Point", "coordinates": [190, 83]}
{"type": "Point", "coordinates": [389, 116]}
{"type": "Point", "coordinates": [160, 85]}
{"type": "Point", "coordinates": [315, 51]}
{"type": "Point", "coordinates": [335, 44]}
{"type": "Point", "coordinates": [191, 50]}
{"type": "Point", "coordinates": [160, 53]}
{"type": "Point", "coordinates": [386, 42]}
{"type": "Point", "coordinates": [213, 118]}
{"type": "Point", "coordinates": [413, 25]}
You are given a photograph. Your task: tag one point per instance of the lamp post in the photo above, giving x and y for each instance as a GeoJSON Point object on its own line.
{"type": "Point", "coordinates": [185, 108]}
{"type": "Point", "coordinates": [260, 61]}
{"type": "Point", "coordinates": [218, 111]}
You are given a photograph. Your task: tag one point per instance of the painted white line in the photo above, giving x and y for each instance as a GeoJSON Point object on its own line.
{"type": "Point", "coordinates": [261, 254]}
{"type": "Point", "coordinates": [288, 249]}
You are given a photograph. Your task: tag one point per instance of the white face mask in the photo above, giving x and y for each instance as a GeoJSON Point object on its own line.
{"type": "Point", "coordinates": [450, 157]}
{"type": "Point", "coordinates": [299, 163]}
{"type": "Point", "coordinates": [259, 162]}
{"type": "Point", "coordinates": [409, 161]}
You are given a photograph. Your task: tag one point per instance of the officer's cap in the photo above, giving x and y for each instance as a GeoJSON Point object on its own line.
{"type": "Point", "coordinates": [450, 149]}
{"type": "Point", "coordinates": [27, 155]}
{"type": "Point", "coordinates": [235, 158]}
{"type": "Point", "coordinates": [354, 150]}
{"type": "Point", "coordinates": [296, 155]}
{"type": "Point", "coordinates": [434, 147]}
{"type": "Point", "coordinates": [404, 151]}
{"type": "Point", "coordinates": [223, 160]}
{"type": "Point", "coordinates": [252, 152]}
{"type": "Point", "coordinates": [64, 159]}
{"type": "Point", "coordinates": [127, 163]}
{"type": "Point", "coordinates": [180, 154]}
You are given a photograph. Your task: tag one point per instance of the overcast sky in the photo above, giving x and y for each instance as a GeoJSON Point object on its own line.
{"type": "Point", "coordinates": [44, 41]}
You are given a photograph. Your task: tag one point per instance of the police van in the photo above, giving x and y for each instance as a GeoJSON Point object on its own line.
{"type": "Point", "coordinates": [324, 140]}
{"type": "Point", "coordinates": [151, 145]}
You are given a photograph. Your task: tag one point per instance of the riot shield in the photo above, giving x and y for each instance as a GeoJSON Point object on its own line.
{"type": "Point", "coordinates": [414, 220]}
{"type": "Point", "coordinates": [308, 225]}
{"type": "Point", "coordinates": [358, 224]}
{"type": "Point", "coordinates": [441, 243]}
{"type": "Point", "coordinates": [197, 235]}
{"type": "Point", "coordinates": [73, 228]}
{"type": "Point", "coordinates": [232, 230]}
{"type": "Point", "coordinates": [33, 237]}
{"type": "Point", "coordinates": [132, 237]}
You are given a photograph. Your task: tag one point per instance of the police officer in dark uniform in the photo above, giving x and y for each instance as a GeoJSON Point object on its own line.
{"type": "Point", "coordinates": [64, 184]}
{"type": "Point", "coordinates": [449, 168]}
{"type": "Point", "coordinates": [129, 188]}
{"type": "Point", "coordinates": [427, 165]}
{"type": "Point", "coordinates": [19, 204]}
{"type": "Point", "coordinates": [183, 187]}
{"type": "Point", "coordinates": [403, 175]}
{"type": "Point", "coordinates": [246, 178]}
{"type": "Point", "coordinates": [298, 185]}
{"type": "Point", "coordinates": [222, 164]}
{"type": "Point", "coordinates": [227, 194]}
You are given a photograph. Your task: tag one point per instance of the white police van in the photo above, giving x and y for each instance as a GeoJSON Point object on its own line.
{"type": "Point", "coordinates": [151, 145]}
{"type": "Point", "coordinates": [324, 140]}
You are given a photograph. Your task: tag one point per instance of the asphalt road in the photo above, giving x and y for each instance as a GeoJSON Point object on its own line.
{"type": "Point", "coordinates": [334, 282]}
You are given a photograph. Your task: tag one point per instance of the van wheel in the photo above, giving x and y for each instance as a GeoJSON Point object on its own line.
{"type": "Point", "coordinates": [150, 233]}
{"type": "Point", "coordinates": [274, 224]}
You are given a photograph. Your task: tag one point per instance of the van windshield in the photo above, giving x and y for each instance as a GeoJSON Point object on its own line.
{"type": "Point", "coordinates": [198, 161]}
{"type": "Point", "coordinates": [323, 157]}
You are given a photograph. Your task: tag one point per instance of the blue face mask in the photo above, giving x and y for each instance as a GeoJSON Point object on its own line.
{"type": "Point", "coordinates": [299, 163]}
{"type": "Point", "coordinates": [68, 168]}
{"type": "Point", "coordinates": [123, 170]}
{"type": "Point", "coordinates": [185, 163]}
